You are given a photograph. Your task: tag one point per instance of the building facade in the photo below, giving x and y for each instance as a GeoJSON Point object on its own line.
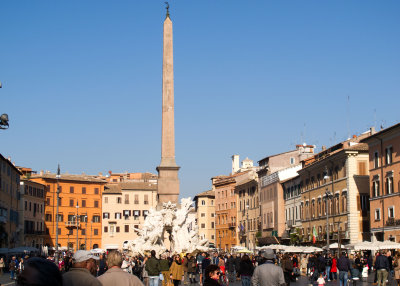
{"type": "Point", "coordinates": [272, 206]}
{"type": "Point", "coordinates": [292, 200]}
{"type": "Point", "coordinates": [384, 183]}
{"type": "Point", "coordinates": [79, 214]}
{"type": "Point", "coordinates": [248, 210]}
{"type": "Point", "coordinates": [10, 223]}
{"type": "Point", "coordinates": [32, 209]}
{"type": "Point", "coordinates": [125, 207]}
{"type": "Point", "coordinates": [205, 212]}
{"type": "Point", "coordinates": [335, 194]}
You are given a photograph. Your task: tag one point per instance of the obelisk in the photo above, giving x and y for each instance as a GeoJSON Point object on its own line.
{"type": "Point", "coordinates": [168, 181]}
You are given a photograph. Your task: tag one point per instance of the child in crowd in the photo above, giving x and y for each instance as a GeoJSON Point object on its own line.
{"type": "Point", "coordinates": [321, 280]}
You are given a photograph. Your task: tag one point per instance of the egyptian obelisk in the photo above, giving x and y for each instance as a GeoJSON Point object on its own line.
{"type": "Point", "coordinates": [168, 181]}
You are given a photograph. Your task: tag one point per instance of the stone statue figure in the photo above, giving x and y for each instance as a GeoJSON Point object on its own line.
{"type": "Point", "coordinates": [170, 222]}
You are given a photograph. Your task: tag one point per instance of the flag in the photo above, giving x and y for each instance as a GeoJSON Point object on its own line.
{"type": "Point", "coordinates": [314, 236]}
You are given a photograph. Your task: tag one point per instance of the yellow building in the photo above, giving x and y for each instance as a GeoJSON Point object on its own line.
{"type": "Point", "coordinates": [205, 211]}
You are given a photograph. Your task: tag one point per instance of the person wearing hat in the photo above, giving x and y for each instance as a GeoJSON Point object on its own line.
{"type": "Point", "coordinates": [268, 274]}
{"type": "Point", "coordinates": [83, 270]}
{"type": "Point", "coordinates": [115, 275]}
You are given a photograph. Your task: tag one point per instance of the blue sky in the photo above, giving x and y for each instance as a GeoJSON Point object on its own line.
{"type": "Point", "coordinates": [82, 81]}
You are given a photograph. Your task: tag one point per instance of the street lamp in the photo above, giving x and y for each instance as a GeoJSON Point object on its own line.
{"type": "Point", "coordinates": [248, 226]}
{"type": "Point", "coordinates": [3, 118]}
{"type": "Point", "coordinates": [77, 225]}
{"type": "Point", "coordinates": [86, 218]}
{"type": "Point", "coordinates": [58, 199]}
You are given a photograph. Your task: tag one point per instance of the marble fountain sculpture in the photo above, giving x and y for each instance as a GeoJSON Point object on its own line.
{"type": "Point", "coordinates": [170, 224]}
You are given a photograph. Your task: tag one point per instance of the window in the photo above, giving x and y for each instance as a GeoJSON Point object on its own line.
{"type": "Point", "coordinates": [212, 236]}
{"type": "Point", "coordinates": [117, 229]}
{"type": "Point", "coordinates": [106, 200]}
{"type": "Point", "coordinates": [126, 201]}
{"type": "Point", "coordinates": [376, 159]}
{"type": "Point", "coordinates": [136, 199]}
{"type": "Point", "coordinates": [71, 232]}
{"type": "Point", "coordinates": [83, 231]}
{"type": "Point", "coordinates": [106, 229]}
{"type": "Point", "coordinates": [71, 203]}
{"type": "Point", "coordinates": [96, 231]}
{"type": "Point", "coordinates": [83, 203]}
{"type": "Point", "coordinates": [391, 212]}
{"type": "Point", "coordinates": [59, 231]}
{"type": "Point", "coordinates": [292, 160]}
{"type": "Point", "coordinates": [96, 218]}
{"type": "Point", "coordinates": [48, 201]}
{"type": "Point", "coordinates": [127, 214]}
{"type": "Point", "coordinates": [375, 187]}
{"type": "Point", "coordinates": [377, 214]}
{"type": "Point", "coordinates": [146, 199]}
{"type": "Point", "coordinates": [126, 228]}
{"type": "Point", "coordinates": [212, 202]}
{"type": "Point", "coordinates": [71, 217]}
{"type": "Point", "coordinates": [106, 215]}
{"type": "Point", "coordinates": [96, 191]}
{"type": "Point", "coordinates": [389, 151]}
{"type": "Point", "coordinates": [203, 214]}
{"type": "Point", "coordinates": [362, 168]}
{"type": "Point", "coordinates": [145, 213]}
{"type": "Point", "coordinates": [203, 202]}
{"type": "Point", "coordinates": [212, 225]}
{"type": "Point", "coordinates": [48, 217]}
{"type": "Point", "coordinates": [96, 204]}
{"type": "Point", "coordinates": [83, 190]}
{"type": "Point", "coordinates": [203, 225]}
{"type": "Point", "coordinates": [60, 217]}
{"type": "Point", "coordinates": [71, 190]}
{"type": "Point", "coordinates": [389, 185]}
{"type": "Point", "coordinates": [117, 215]}
{"type": "Point", "coordinates": [119, 200]}
{"type": "Point", "coordinates": [212, 214]}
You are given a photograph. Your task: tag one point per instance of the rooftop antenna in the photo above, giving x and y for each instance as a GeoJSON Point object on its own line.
{"type": "Point", "coordinates": [375, 117]}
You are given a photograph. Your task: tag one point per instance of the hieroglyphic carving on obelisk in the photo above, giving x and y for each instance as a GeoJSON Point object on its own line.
{"type": "Point", "coordinates": [168, 182]}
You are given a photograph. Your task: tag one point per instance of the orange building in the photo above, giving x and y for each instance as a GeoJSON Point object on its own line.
{"type": "Point", "coordinates": [225, 211]}
{"type": "Point", "coordinates": [79, 214]}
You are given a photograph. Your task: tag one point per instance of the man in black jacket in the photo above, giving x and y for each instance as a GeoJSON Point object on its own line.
{"type": "Point", "coordinates": [230, 267]}
{"type": "Point", "coordinates": [343, 265]}
{"type": "Point", "coordinates": [382, 268]}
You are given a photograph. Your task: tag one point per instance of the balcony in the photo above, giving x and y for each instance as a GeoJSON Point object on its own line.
{"type": "Point", "coordinates": [232, 225]}
{"type": "Point", "coordinates": [71, 224]}
{"type": "Point", "coordinates": [290, 223]}
{"type": "Point", "coordinates": [393, 222]}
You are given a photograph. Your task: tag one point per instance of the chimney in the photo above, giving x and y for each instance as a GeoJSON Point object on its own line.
{"type": "Point", "coordinates": [372, 130]}
{"type": "Point", "coordinates": [41, 172]}
{"type": "Point", "coordinates": [323, 147]}
{"type": "Point", "coordinates": [235, 163]}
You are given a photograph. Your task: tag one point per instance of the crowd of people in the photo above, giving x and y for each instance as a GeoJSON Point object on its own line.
{"type": "Point", "coordinates": [206, 269]}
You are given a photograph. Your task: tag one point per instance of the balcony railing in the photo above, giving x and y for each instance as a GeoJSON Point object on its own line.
{"type": "Point", "coordinates": [71, 223]}
{"type": "Point", "coordinates": [126, 202]}
{"type": "Point", "coordinates": [392, 222]}
{"type": "Point", "coordinates": [232, 224]}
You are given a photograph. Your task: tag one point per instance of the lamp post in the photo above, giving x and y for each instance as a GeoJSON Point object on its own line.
{"type": "Point", "coordinates": [58, 201]}
{"type": "Point", "coordinates": [91, 233]}
{"type": "Point", "coordinates": [220, 244]}
{"type": "Point", "coordinates": [86, 218]}
{"type": "Point", "coordinates": [77, 226]}
{"type": "Point", "coordinates": [248, 226]}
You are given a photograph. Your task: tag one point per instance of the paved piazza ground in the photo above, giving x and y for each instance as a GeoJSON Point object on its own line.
{"type": "Point", "coordinates": [5, 280]}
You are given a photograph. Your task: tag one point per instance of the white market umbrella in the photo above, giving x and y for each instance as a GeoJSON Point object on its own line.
{"type": "Point", "coordinates": [387, 244]}
{"type": "Point", "coordinates": [244, 250]}
{"type": "Point", "coordinates": [311, 249]}
{"type": "Point", "coordinates": [97, 251]}
{"type": "Point", "coordinates": [275, 247]}
{"type": "Point", "coordinates": [336, 246]}
{"type": "Point", "coordinates": [364, 245]}
{"type": "Point", "coordinates": [293, 249]}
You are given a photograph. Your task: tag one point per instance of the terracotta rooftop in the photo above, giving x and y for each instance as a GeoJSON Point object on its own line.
{"type": "Point", "coordinates": [117, 188]}
{"type": "Point", "coordinates": [112, 189]}
{"type": "Point", "coordinates": [69, 177]}
{"type": "Point", "coordinates": [209, 193]}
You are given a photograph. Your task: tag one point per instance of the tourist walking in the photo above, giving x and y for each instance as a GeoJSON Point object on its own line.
{"type": "Point", "coordinates": [82, 271]}
{"type": "Point", "coordinates": [164, 268]}
{"type": "Point", "coordinates": [246, 270]}
{"type": "Point", "coordinates": [268, 274]}
{"type": "Point", "coordinates": [191, 269]}
{"type": "Point", "coordinates": [13, 267]}
{"type": "Point", "coordinates": [344, 267]}
{"type": "Point", "coordinates": [328, 265]}
{"type": "Point", "coordinates": [212, 274]}
{"type": "Point", "coordinates": [303, 265]}
{"type": "Point", "coordinates": [40, 271]}
{"type": "Point", "coordinates": [115, 275]}
{"type": "Point", "coordinates": [287, 267]}
{"type": "Point", "coordinates": [176, 270]}
{"type": "Point", "coordinates": [2, 265]}
{"type": "Point", "coordinates": [334, 268]}
{"type": "Point", "coordinates": [102, 265]}
{"type": "Point", "coordinates": [153, 269]}
{"type": "Point", "coordinates": [382, 268]}
{"type": "Point", "coordinates": [230, 268]}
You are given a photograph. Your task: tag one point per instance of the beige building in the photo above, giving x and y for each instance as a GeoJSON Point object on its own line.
{"type": "Point", "coordinates": [334, 188]}
{"type": "Point", "coordinates": [125, 207]}
{"type": "Point", "coordinates": [248, 210]}
{"type": "Point", "coordinates": [32, 211]}
{"type": "Point", "coordinates": [10, 227]}
{"type": "Point", "coordinates": [205, 211]}
{"type": "Point", "coordinates": [273, 171]}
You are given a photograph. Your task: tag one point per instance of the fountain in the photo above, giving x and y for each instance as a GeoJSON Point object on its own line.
{"type": "Point", "coordinates": [170, 225]}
